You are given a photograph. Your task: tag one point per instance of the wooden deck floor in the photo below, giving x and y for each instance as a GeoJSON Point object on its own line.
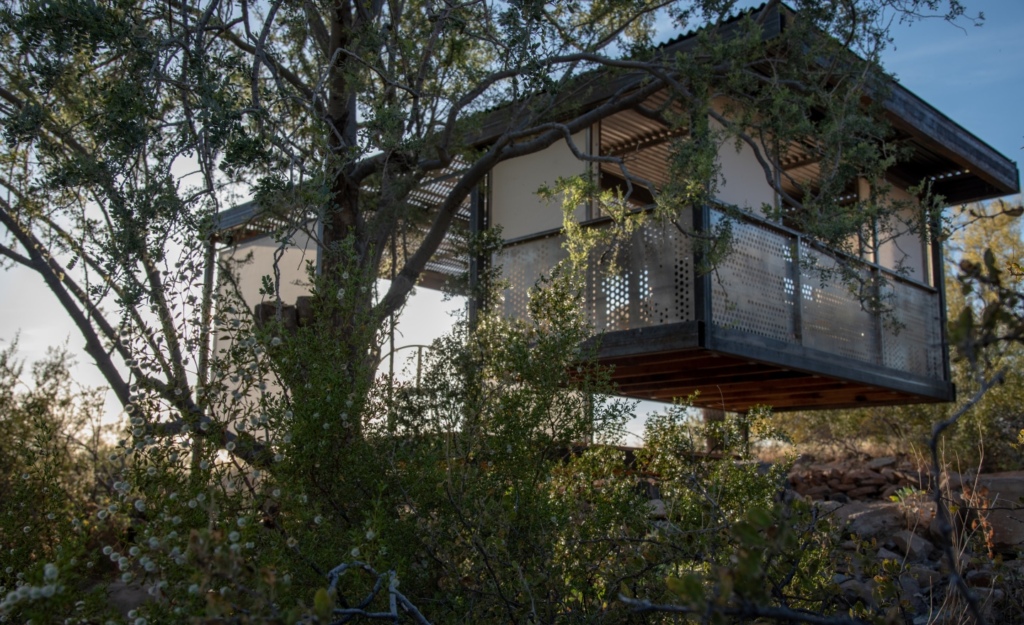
{"type": "Point", "coordinates": [734, 371]}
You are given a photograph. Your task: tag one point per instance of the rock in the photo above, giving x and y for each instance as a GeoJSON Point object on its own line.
{"type": "Point", "coordinates": [856, 590]}
{"type": "Point", "coordinates": [988, 598]}
{"type": "Point", "coordinates": [910, 591]}
{"type": "Point", "coordinates": [656, 509]}
{"type": "Point", "coordinates": [889, 491]}
{"type": "Point", "coordinates": [789, 496]}
{"type": "Point", "coordinates": [863, 492]}
{"type": "Point", "coordinates": [858, 475]}
{"type": "Point", "coordinates": [1005, 490]}
{"type": "Point", "coordinates": [839, 498]}
{"type": "Point", "coordinates": [870, 519]}
{"type": "Point", "coordinates": [981, 577]}
{"type": "Point", "coordinates": [885, 554]}
{"type": "Point", "coordinates": [926, 577]}
{"type": "Point", "coordinates": [828, 507]}
{"type": "Point", "coordinates": [816, 492]}
{"type": "Point", "coordinates": [951, 481]}
{"type": "Point", "coordinates": [915, 547]}
{"type": "Point", "coordinates": [879, 463]}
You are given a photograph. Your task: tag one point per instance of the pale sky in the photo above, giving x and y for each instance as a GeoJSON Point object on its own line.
{"type": "Point", "coordinates": [974, 75]}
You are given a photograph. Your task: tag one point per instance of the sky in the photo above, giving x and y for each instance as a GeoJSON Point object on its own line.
{"type": "Point", "coordinates": [973, 74]}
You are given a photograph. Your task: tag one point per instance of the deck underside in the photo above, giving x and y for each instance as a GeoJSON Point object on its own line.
{"type": "Point", "coordinates": [734, 371]}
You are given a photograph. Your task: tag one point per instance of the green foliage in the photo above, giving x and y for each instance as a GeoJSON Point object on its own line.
{"type": "Point", "coordinates": [52, 473]}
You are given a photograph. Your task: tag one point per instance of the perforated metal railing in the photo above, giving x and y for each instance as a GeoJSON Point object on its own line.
{"type": "Point", "coordinates": [770, 284]}
{"type": "Point", "coordinates": [775, 284]}
{"type": "Point", "coordinates": [643, 280]}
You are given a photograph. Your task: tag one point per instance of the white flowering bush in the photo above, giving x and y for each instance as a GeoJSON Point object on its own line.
{"type": "Point", "coordinates": [476, 494]}
{"type": "Point", "coordinates": [54, 474]}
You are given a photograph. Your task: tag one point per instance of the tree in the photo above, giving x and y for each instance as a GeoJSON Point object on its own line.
{"type": "Point", "coordinates": [338, 112]}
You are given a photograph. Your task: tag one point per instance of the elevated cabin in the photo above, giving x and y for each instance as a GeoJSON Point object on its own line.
{"type": "Point", "coordinates": [763, 327]}
{"type": "Point", "coordinates": [766, 324]}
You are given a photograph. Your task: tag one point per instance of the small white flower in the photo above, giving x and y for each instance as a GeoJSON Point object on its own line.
{"type": "Point", "coordinates": [201, 497]}
{"type": "Point", "coordinates": [151, 471]}
{"type": "Point", "coordinates": [234, 537]}
{"type": "Point", "coordinates": [204, 465]}
{"type": "Point", "coordinates": [341, 294]}
{"type": "Point", "coordinates": [318, 519]}
{"type": "Point", "coordinates": [370, 535]}
{"type": "Point", "coordinates": [193, 589]}
{"type": "Point", "coordinates": [108, 550]}
{"type": "Point", "coordinates": [134, 551]}
{"type": "Point", "coordinates": [274, 342]}
{"type": "Point", "coordinates": [154, 542]}
{"type": "Point", "coordinates": [126, 577]}
{"type": "Point", "coordinates": [230, 446]}
{"type": "Point", "coordinates": [101, 513]}
{"type": "Point", "coordinates": [140, 505]}
{"type": "Point", "coordinates": [242, 521]}
{"type": "Point", "coordinates": [50, 571]}
{"type": "Point", "coordinates": [355, 552]}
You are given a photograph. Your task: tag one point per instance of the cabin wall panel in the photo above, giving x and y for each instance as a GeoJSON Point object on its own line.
{"type": "Point", "coordinates": [254, 259]}
{"type": "Point", "coordinates": [900, 248]}
{"type": "Point", "coordinates": [741, 179]}
{"type": "Point", "coordinates": [514, 203]}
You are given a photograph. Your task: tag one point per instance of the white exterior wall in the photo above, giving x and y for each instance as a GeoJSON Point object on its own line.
{"type": "Point", "coordinates": [741, 180]}
{"type": "Point", "coordinates": [514, 203]}
{"type": "Point", "coordinates": [900, 249]}
{"type": "Point", "coordinates": [254, 259]}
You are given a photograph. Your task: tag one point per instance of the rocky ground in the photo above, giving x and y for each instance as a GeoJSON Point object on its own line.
{"type": "Point", "coordinates": [885, 511]}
